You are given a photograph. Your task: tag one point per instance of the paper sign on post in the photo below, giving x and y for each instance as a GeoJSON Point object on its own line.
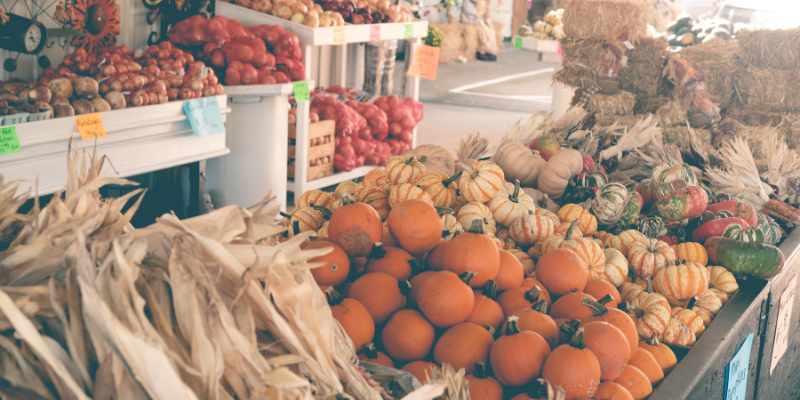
{"type": "Point", "coordinates": [300, 91]}
{"type": "Point", "coordinates": [782, 329]}
{"type": "Point", "coordinates": [425, 62]}
{"type": "Point", "coordinates": [737, 370]}
{"type": "Point", "coordinates": [517, 43]}
{"type": "Point", "coordinates": [374, 32]}
{"type": "Point", "coordinates": [408, 31]}
{"type": "Point", "coordinates": [558, 51]}
{"type": "Point", "coordinates": [9, 142]}
{"type": "Point", "coordinates": [204, 116]}
{"type": "Point", "coordinates": [90, 126]}
{"type": "Point", "coordinates": [338, 35]}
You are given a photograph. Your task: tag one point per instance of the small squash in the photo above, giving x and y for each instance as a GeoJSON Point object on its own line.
{"type": "Point", "coordinates": [562, 271]}
{"type": "Point", "coordinates": [749, 234]}
{"type": "Point", "coordinates": [446, 298]}
{"type": "Point", "coordinates": [407, 191]}
{"type": "Point", "coordinates": [651, 227]}
{"type": "Point", "coordinates": [476, 212]}
{"type": "Point", "coordinates": [354, 318]}
{"type": "Point", "coordinates": [609, 345]}
{"type": "Point", "coordinates": [681, 282]}
{"type": "Point", "coordinates": [587, 222]}
{"type": "Point", "coordinates": [609, 202]}
{"type": "Point", "coordinates": [346, 187]}
{"type": "Point", "coordinates": [661, 352]}
{"type": "Point", "coordinates": [511, 272]}
{"type": "Point", "coordinates": [648, 257]}
{"type": "Point", "coordinates": [422, 370]}
{"type": "Point", "coordinates": [473, 251]}
{"type": "Point", "coordinates": [407, 336]}
{"type": "Point", "coordinates": [434, 157]}
{"type": "Point", "coordinates": [531, 282]}
{"type": "Point", "coordinates": [678, 334]}
{"type": "Point", "coordinates": [615, 317]}
{"type": "Point", "coordinates": [435, 259]}
{"type": "Point", "coordinates": [441, 188]}
{"type": "Point", "coordinates": [380, 293]}
{"type": "Point", "coordinates": [646, 363]}
{"type": "Point", "coordinates": [690, 319]}
{"type": "Point", "coordinates": [337, 264]}
{"type": "Point", "coordinates": [612, 391]}
{"type": "Point", "coordinates": [508, 208]}
{"type": "Point", "coordinates": [355, 227]}
{"type": "Point", "coordinates": [463, 345]}
{"type": "Point", "coordinates": [517, 357]}
{"type": "Point", "coordinates": [313, 198]}
{"type": "Point", "coordinates": [372, 355]}
{"type": "Point", "coordinates": [390, 260]}
{"type": "Point", "coordinates": [563, 165]}
{"type": "Point", "coordinates": [681, 204]}
{"type": "Point", "coordinates": [516, 299]}
{"type": "Point", "coordinates": [616, 267]}
{"type": "Point", "coordinates": [481, 182]}
{"type": "Point", "coordinates": [450, 227]}
{"type": "Point", "coordinates": [485, 310]}
{"type": "Point", "coordinates": [536, 319]}
{"type": "Point", "coordinates": [524, 258]}
{"type": "Point", "coordinates": [707, 306]}
{"type": "Point", "coordinates": [651, 312]}
{"type": "Point", "coordinates": [482, 386]}
{"type": "Point", "coordinates": [573, 367]}
{"type": "Point", "coordinates": [564, 230]}
{"type": "Point", "coordinates": [519, 162]}
{"type": "Point", "coordinates": [721, 279]}
{"type": "Point", "coordinates": [570, 306]}
{"type": "Point", "coordinates": [635, 381]}
{"type": "Point", "coordinates": [549, 214]}
{"type": "Point", "coordinates": [415, 226]}
{"type": "Point", "coordinates": [530, 228]}
{"type": "Point", "coordinates": [587, 249]}
{"type": "Point", "coordinates": [598, 289]}
{"type": "Point", "coordinates": [691, 251]}
{"type": "Point", "coordinates": [416, 283]}
{"type": "Point", "coordinates": [541, 199]}
{"type": "Point", "coordinates": [402, 169]}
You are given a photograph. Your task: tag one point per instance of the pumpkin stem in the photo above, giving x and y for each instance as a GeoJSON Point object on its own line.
{"type": "Point", "coordinates": [423, 159]}
{"type": "Point", "coordinates": [476, 227]}
{"type": "Point", "coordinates": [605, 299]}
{"type": "Point", "coordinates": [514, 197]}
{"type": "Point", "coordinates": [443, 211]}
{"type": "Point", "coordinates": [691, 303]}
{"type": "Point", "coordinates": [533, 294]}
{"type": "Point", "coordinates": [623, 306]}
{"type": "Point", "coordinates": [632, 273]}
{"type": "Point", "coordinates": [467, 276]}
{"type": "Point", "coordinates": [324, 210]}
{"type": "Point", "coordinates": [480, 370]}
{"type": "Point", "coordinates": [333, 296]}
{"type": "Point", "coordinates": [490, 290]}
{"type": "Point", "coordinates": [542, 203]}
{"type": "Point", "coordinates": [489, 329]}
{"type": "Point", "coordinates": [296, 227]}
{"type": "Point", "coordinates": [540, 306]}
{"type": "Point", "coordinates": [639, 313]}
{"type": "Point", "coordinates": [411, 160]}
{"type": "Point", "coordinates": [370, 351]}
{"type": "Point", "coordinates": [598, 309]}
{"type": "Point", "coordinates": [511, 326]}
{"type": "Point", "coordinates": [571, 228]}
{"type": "Point", "coordinates": [648, 285]}
{"type": "Point", "coordinates": [541, 389]}
{"type": "Point", "coordinates": [569, 328]}
{"type": "Point", "coordinates": [285, 215]}
{"type": "Point", "coordinates": [446, 233]}
{"type": "Point", "coordinates": [416, 266]}
{"type": "Point", "coordinates": [472, 173]}
{"type": "Point", "coordinates": [348, 199]}
{"type": "Point", "coordinates": [405, 287]}
{"type": "Point", "coordinates": [530, 212]}
{"type": "Point", "coordinates": [377, 252]}
{"type": "Point", "coordinates": [452, 179]}
{"type": "Point", "coordinates": [653, 341]}
{"type": "Point", "coordinates": [577, 340]}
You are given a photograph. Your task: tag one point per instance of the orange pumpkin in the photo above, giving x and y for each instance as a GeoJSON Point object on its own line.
{"type": "Point", "coordinates": [571, 306]}
{"type": "Point", "coordinates": [662, 353]}
{"type": "Point", "coordinates": [645, 361]}
{"type": "Point", "coordinates": [678, 334]}
{"type": "Point", "coordinates": [517, 299]}
{"type": "Point", "coordinates": [585, 248]}
{"type": "Point", "coordinates": [531, 228]}
{"type": "Point", "coordinates": [562, 271]}
{"type": "Point", "coordinates": [587, 222]}
{"type": "Point", "coordinates": [435, 258]}
{"type": "Point", "coordinates": [529, 282]}
{"type": "Point", "coordinates": [517, 357]}
{"type": "Point", "coordinates": [598, 289]}
{"type": "Point", "coordinates": [416, 283]}
{"type": "Point", "coordinates": [371, 355]}
{"type": "Point", "coordinates": [691, 251]}
{"type": "Point", "coordinates": [445, 298]}
{"type": "Point", "coordinates": [681, 282]}
{"type": "Point", "coordinates": [407, 336]}
{"type": "Point", "coordinates": [407, 191]}
{"type": "Point", "coordinates": [463, 345]}
{"type": "Point", "coordinates": [481, 181]}
{"type": "Point", "coordinates": [651, 312]}
{"type": "Point", "coordinates": [485, 311]}
{"type": "Point", "coordinates": [615, 317]}
{"type": "Point", "coordinates": [649, 256]}
{"type": "Point", "coordinates": [536, 319]}
{"type": "Point", "coordinates": [402, 169]}
{"type": "Point", "coordinates": [635, 381]}
{"type": "Point", "coordinates": [612, 391]}
{"type": "Point", "coordinates": [690, 319]}
{"type": "Point", "coordinates": [415, 226]}
{"type": "Point", "coordinates": [574, 368]}
{"type": "Point", "coordinates": [422, 370]}
{"type": "Point", "coordinates": [337, 264]}
{"type": "Point", "coordinates": [380, 293]}
{"type": "Point", "coordinates": [473, 251]}
{"type": "Point", "coordinates": [511, 273]}
{"type": "Point", "coordinates": [355, 319]}
{"type": "Point", "coordinates": [390, 260]}
{"type": "Point", "coordinates": [523, 258]}
{"type": "Point", "coordinates": [610, 346]}
{"type": "Point", "coordinates": [355, 227]}
{"type": "Point", "coordinates": [482, 386]}
{"type": "Point", "coordinates": [386, 238]}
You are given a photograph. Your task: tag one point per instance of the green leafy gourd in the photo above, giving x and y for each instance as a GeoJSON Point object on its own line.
{"type": "Point", "coordinates": [630, 213]}
{"type": "Point", "coordinates": [609, 202]}
{"type": "Point", "coordinates": [750, 234]}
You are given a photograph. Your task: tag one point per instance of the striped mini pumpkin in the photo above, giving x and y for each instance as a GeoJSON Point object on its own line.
{"type": "Point", "coordinates": [526, 261]}
{"type": "Point", "coordinates": [315, 198]}
{"type": "Point", "coordinates": [406, 191]}
{"type": "Point", "coordinates": [721, 279]}
{"type": "Point", "coordinates": [563, 228]}
{"type": "Point", "coordinates": [586, 248]}
{"type": "Point", "coordinates": [306, 219]}
{"type": "Point", "coordinates": [460, 202]}
{"type": "Point", "coordinates": [649, 256]}
{"type": "Point", "coordinates": [623, 241]}
{"type": "Point", "coordinates": [680, 282]}
{"type": "Point", "coordinates": [343, 188]}
{"type": "Point", "coordinates": [549, 214]}
{"type": "Point", "coordinates": [651, 313]}
{"type": "Point", "coordinates": [402, 169]}
{"type": "Point", "coordinates": [691, 251]}
{"type": "Point", "coordinates": [586, 221]}
{"type": "Point", "coordinates": [509, 208]}
{"type": "Point", "coordinates": [473, 211]}
{"type": "Point", "coordinates": [616, 266]}
{"type": "Point", "coordinates": [630, 290]}
{"type": "Point", "coordinates": [690, 319]}
{"type": "Point", "coordinates": [531, 228]}
{"type": "Point", "coordinates": [450, 227]}
{"type": "Point", "coordinates": [707, 306]}
{"type": "Point", "coordinates": [678, 334]}
{"type": "Point", "coordinates": [323, 231]}
{"type": "Point", "coordinates": [481, 181]}
{"type": "Point", "coordinates": [608, 203]}
{"type": "Point", "coordinates": [377, 176]}
{"type": "Point", "coordinates": [443, 189]}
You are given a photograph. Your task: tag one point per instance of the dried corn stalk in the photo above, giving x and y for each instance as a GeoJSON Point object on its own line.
{"type": "Point", "coordinates": [471, 150]}
{"type": "Point", "coordinates": [782, 164]}
{"type": "Point", "coordinates": [535, 126]}
{"type": "Point", "coordinates": [637, 136]}
{"type": "Point", "coordinates": [740, 176]}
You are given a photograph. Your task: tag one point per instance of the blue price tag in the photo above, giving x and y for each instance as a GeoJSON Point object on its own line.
{"type": "Point", "coordinates": [204, 116]}
{"type": "Point", "coordinates": [737, 371]}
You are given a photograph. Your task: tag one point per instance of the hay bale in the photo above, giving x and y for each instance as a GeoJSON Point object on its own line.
{"type": "Point", "coordinates": [791, 129]}
{"type": "Point", "coordinates": [773, 89]}
{"type": "Point", "coordinates": [642, 77]}
{"type": "Point", "coordinates": [754, 116]}
{"type": "Point", "coordinates": [671, 114]}
{"type": "Point", "coordinates": [716, 59]}
{"type": "Point", "coordinates": [470, 33]}
{"type": "Point", "coordinates": [677, 134]}
{"type": "Point", "coordinates": [618, 104]}
{"type": "Point", "coordinates": [628, 121]}
{"type": "Point", "coordinates": [603, 19]}
{"type": "Point", "coordinates": [779, 49]}
{"type": "Point", "coordinates": [453, 42]}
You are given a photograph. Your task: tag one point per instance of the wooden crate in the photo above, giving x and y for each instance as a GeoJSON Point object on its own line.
{"type": "Point", "coordinates": [316, 130]}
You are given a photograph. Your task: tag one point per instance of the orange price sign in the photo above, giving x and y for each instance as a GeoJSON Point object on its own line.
{"type": "Point", "coordinates": [90, 126]}
{"type": "Point", "coordinates": [425, 62]}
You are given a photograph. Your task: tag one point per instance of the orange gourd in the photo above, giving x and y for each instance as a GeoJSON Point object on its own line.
{"type": "Point", "coordinates": [649, 256]}
{"type": "Point", "coordinates": [435, 259]}
{"type": "Point", "coordinates": [612, 391]}
{"type": "Point", "coordinates": [354, 318]}
{"type": "Point", "coordinates": [574, 368]}
{"type": "Point", "coordinates": [561, 271]}
{"type": "Point", "coordinates": [372, 355]}
{"type": "Point", "coordinates": [645, 361]}
{"type": "Point", "coordinates": [517, 299]}
{"type": "Point", "coordinates": [443, 190]}
{"type": "Point", "coordinates": [586, 248]}
{"type": "Point", "coordinates": [571, 306]}
{"type": "Point", "coordinates": [473, 251]}
{"type": "Point", "coordinates": [485, 311]}
{"type": "Point", "coordinates": [337, 264]}
{"type": "Point", "coordinates": [380, 293]}
{"type": "Point", "coordinates": [531, 228]}
{"type": "Point", "coordinates": [421, 370]}
{"type": "Point", "coordinates": [529, 282]}
{"type": "Point", "coordinates": [662, 353]}
{"type": "Point", "coordinates": [587, 222]}
{"type": "Point", "coordinates": [651, 312]}
{"type": "Point", "coordinates": [510, 274]}
{"type": "Point", "coordinates": [463, 345]}
{"type": "Point", "coordinates": [481, 181]}
{"type": "Point", "coordinates": [355, 227]}
{"type": "Point", "coordinates": [599, 288]}
{"type": "Point", "coordinates": [416, 283]}
{"type": "Point", "coordinates": [540, 389]}
{"type": "Point", "coordinates": [407, 336]}
{"type": "Point", "coordinates": [691, 251]}
{"type": "Point", "coordinates": [415, 226]}
{"type": "Point", "coordinates": [680, 282]}
{"type": "Point", "coordinates": [482, 386]}
{"type": "Point", "coordinates": [615, 317]}
{"type": "Point", "coordinates": [635, 381]}
{"type": "Point", "coordinates": [446, 298]}
{"type": "Point", "coordinates": [678, 334]}
{"type": "Point", "coordinates": [390, 260]}
{"type": "Point", "coordinates": [535, 319]}
{"type": "Point", "coordinates": [517, 357]}
{"type": "Point", "coordinates": [610, 347]}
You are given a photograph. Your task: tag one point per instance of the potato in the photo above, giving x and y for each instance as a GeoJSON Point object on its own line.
{"type": "Point", "coordinates": [59, 101]}
{"type": "Point", "coordinates": [42, 106]}
{"type": "Point", "coordinates": [86, 88]}
{"type": "Point", "coordinates": [116, 100]}
{"type": "Point", "coordinates": [61, 87]}
{"type": "Point", "coordinates": [9, 97]}
{"type": "Point", "coordinates": [82, 106]}
{"type": "Point", "coordinates": [40, 94]}
{"type": "Point", "coordinates": [23, 96]}
{"type": "Point", "coordinates": [64, 111]}
{"type": "Point", "coordinates": [14, 87]}
{"type": "Point", "coordinates": [100, 105]}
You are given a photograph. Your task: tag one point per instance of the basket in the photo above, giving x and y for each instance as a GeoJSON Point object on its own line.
{"type": "Point", "coordinates": [15, 119]}
{"type": "Point", "coordinates": [320, 156]}
{"type": "Point", "coordinates": [40, 116]}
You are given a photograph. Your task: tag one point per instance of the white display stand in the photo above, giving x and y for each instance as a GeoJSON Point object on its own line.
{"type": "Point", "coordinates": [258, 139]}
{"type": "Point", "coordinates": [134, 145]}
{"type": "Point", "coordinates": [550, 51]}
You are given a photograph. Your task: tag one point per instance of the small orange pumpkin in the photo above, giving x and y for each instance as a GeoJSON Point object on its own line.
{"type": "Point", "coordinates": [680, 282]}
{"type": "Point", "coordinates": [482, 386]}
{"type": "Point", "coordinates": [337, 264]}
{"type": "Point", "coordinates": [407, 336]}
{"type": "Point", "coordinates": [517, 357]}
{"type": "Point", "coordinates": [598, 289]}
{"type": "Point", "coordinates": [391, 260]}
{"type": "Point", "coordinates": [562, 271]}
{"type": "Point", "coordinates": [691, 251]}
{"type": "Point", "coordinates": [372, 355]}
{"type": "Point", "coordinates": [587, 222]}
{"type": "Point", "coordinates": [570, 306]}
{"type": "Point", "coordinates": [615, 317]}
{"type": "Point", "coordinates": [415, 226]}
{"type": "Point", "coordinates": [380, 293]}
{"type": "Point", "coordinates": [610, 346]}
{"type": "Point", "coordinates": [511, 272]}
{"type": "Point", "coordinates": [519, 298]}
{"type": "Point", "coordinates": [355, 227]}
{"type": "Point", "coordinates": [422, 370]}
{"type": "Point", "coordinates": [473, 251]}
{"type": "Point", "coordinates": [435, 259]}
{"type": "Point", "coordinates": [645, 361]}
{"type": "Point", "coordinates": [662, 353]}
{"type": "Point", "coordinates": [463, 345]}
{"type": "Point", "coordinates": [354, 318]}
{"type": "Point", "coordinates": [416, 283]}
{"type": "Point", "coordinates": [636, 382]}
{"type": "Point", "coordinates": [536, 319]}
{"type": "Point", "coordinates": [446, 298]}
{"type": "Point", "coordinates": [485, 311]}
{"type": "Point", "coordinates": [574, 368]}
{"type": "Point", "coordinates": [612, 391]}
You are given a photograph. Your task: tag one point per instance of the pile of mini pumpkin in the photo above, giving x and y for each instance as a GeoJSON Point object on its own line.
{"type": "Point", "coordinates": [526, 295]}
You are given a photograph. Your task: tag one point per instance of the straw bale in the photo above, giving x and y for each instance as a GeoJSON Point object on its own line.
{"type": "Point", "coordinates": [603, 19]}
{"type": "Point", "coordinates": [642, 77]}
{"type": "Point", "coordinates": [765, 48]}
{"type": "Point", "coordinates": [576, 72]}
{"type": "Point", "coordinates": [453, 43]}
{"type": "Point", "coordinates": [623, 120]}
{"type": "Point", "coordinates": [671, 114]}
{"type": "Point", "coordinates": [618, 104]}
{"type": "Point", "coordinates": [470, 33]}
{"type": "Point", "coordinates": [754, 116]}
{"type": "Point", "coordinates": [717, 60]}
{"type": "Point", "coordinates": [791, 129]}
{"type": "Point", "coordinates": [773, 89]}
{"type": "Point", "coordinates": [678, 134]}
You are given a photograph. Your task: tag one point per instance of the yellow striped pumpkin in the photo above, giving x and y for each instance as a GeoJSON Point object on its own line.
{"type": "Point", "coordinates": [721, 279]}
{"type": "Point", "coordinates": [531, 228]}
{"type": "Point", "coordinates": [649, 256]}
{"type": "Point", "coordinates": [377, 175]}
{"type": "Point", "coordinates": [344, 187]}
{"type": "Point", "coordinates": [481, 181]}
{"type": "Point", "coordinates": [563, 228]}
{"type": "Point", "coordinates": [707, 306]}
{"type": "Point", "coordinates": [722, 296]}
{"type": "Point", "coordinates": [586, 248]}
{"type": "Point", "coordinates": [402, 169]}
{"type": "Point", "coordinates": [508, 208]}
{"type": "Point", "coordinates": [377, 198]}
{"type": "Point", "coordinates": [616, 267]}
{"type": "Point", "coordinates": [323, 231]}
{"type": "Point", "coordinates": [623, 241]}
{"type": "Point", "coordinates": [651, 313]}
{"type": "Point", "coordinates": [526, 261]}
{"type": "Point", "coordinates": [678, 334]}
{"type": "Point", "coordinates": [442, 188]}
{"type": "Point", "coordinates": [406, 191]}
{"type": "Point", "coordinates": [630, 290]}
{"type": "Point", "coordinates": [690, 319]}
{"type": "Point", "coordinates": [680, 282]}
{"type": "Point", "coordinates": [315, 198]}
{"type": "Point", "coordinates": [586, 221]}
{"type": "Point", "coordinates": [450, 227]}
{"type": "Point", "coordinates": [691, 251]}
{"type": "Point", "coordinates": [549, 214]}
{"type": "Point", "coordinates": [473, 211]}
{"type": "Point", "coordinates": [305, 219]}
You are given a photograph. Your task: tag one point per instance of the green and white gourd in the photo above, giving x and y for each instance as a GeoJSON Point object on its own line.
{"type": "Point", "coordinates": [652, 227]}
{"type": "Point", "coordinates": [668, 172]}
{"type": "Point", "coordinates": [751, 234]}
{"type": "Point", "coordinates": [608, 203]}
{"type": "Point", "coordinates": [770, 228]}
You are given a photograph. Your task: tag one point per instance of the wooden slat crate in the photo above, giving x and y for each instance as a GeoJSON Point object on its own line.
{"type": "Point", "coordinates": [324, 131]}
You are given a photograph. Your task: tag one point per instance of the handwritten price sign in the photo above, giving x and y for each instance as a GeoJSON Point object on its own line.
{"type": "Point", "coordinates": [425, 62]}
{"type": "Point", "coordinates": [784, 321]}
{"type": "Point", "coordinates": [90, 126]}
{"type": "Point", "coordinates": [204, 116]}
{"type": "Point", "coordinates": [736, 372]}
{"type": "Point", "coordinates": [9, 142]}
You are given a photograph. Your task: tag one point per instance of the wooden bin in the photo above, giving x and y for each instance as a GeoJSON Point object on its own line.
{"type": "Point", "coordinates": [316, 131]}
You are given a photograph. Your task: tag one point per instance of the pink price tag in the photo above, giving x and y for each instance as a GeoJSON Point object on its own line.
{"type": "Point", "coordinates": [558, 51]}
{"type": "Point", "coordinates": [374, 32]}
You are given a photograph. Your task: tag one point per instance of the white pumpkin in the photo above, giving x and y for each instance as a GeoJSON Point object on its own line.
{"type": "Point", "coordinates": [508, 208]}
{"type": "Point", "coordinates": [542, 200]}
{"type": "Point", "coordinates": [473, 211]}
{"type": "Point", "coordinates": [563, 165]}
{"type": "Point", "coordinates": [519, 162]}
{"type": "Point", "coordinates": [434, 157]}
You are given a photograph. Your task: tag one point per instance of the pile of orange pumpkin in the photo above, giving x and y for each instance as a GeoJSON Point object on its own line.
{"type": "Point", "coordinates": [467, 270]}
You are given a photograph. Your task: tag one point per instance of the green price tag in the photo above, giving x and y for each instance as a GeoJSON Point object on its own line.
{"type": "Point", "coordinates": [408, 31]}
{"type": "Point", "coordinates": [517, 43]}
{"type": "Point", "coordinates": [9, 142]}
{"type": "Point", "coordinates": [301, 93]}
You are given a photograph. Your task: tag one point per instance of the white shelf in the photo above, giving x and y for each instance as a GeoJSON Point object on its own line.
{"type": "Point", "coordinates": [140, 140]}
{"type": "Point", "coordinates": [332, 179]}
{"type": "Point", "coordinates": [283, 89]}
{"type": "Point", "coordinates": [325, 36]}
{"type": "Point", "coordinates": [539, 45]}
